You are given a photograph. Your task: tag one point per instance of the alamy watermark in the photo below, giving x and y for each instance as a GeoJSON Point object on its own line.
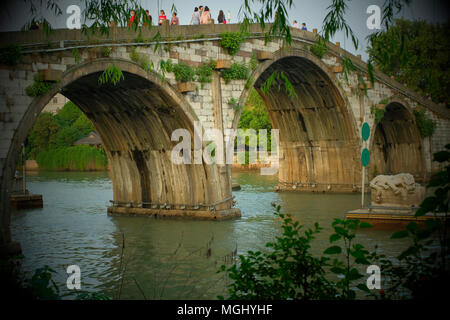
{"type": "Point", "coordinates": [374, 20]}
{"type": "Point", "coordinates": [220, 147]}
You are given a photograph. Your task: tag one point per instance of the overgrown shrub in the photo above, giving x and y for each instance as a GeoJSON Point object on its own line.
{"type": "Point", "coordinates": [288, 270]}
{"type": "Point", "coordinates": [378, 113]}
{"type": "Point", "coordinates": [38, 88]}
{"type": "Point", "coordinates": [231, 41]}
{"type": "Point", "coordinates": [426, 125]}
{"type": "Point", "coordinates": [237, 71]}
{"type": "Point", "coordinates": [319, 48]}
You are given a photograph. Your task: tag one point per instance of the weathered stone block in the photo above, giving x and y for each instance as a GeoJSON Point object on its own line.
{"type": "Point", "coordinates": [50, 74]}
{"type": "Point", "coordinates": [337, 69]}
{"type": "Point", "coordinates": [223, 64]}
{"type": "Point", "coordinates": [264, 55]}
{"type": "Point", "coordinates": [185, 86]}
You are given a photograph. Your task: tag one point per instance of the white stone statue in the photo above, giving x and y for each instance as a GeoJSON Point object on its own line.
{"type": "Point", "coordinates": [396, 190]}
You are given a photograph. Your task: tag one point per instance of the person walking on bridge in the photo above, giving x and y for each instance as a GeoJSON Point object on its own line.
{"type": "Point", "coordinates": [195, 17]}
{"type": "Point", "coordinates": [162, 17]}
{"type": "Point", "coordinates": [174, 21]}
{"type": "Point", "coordinates": [206, 16]}
{"type": "Point", "coordinates": [147, 19]}
{"type": "Point", "coordinates": [221, 17]}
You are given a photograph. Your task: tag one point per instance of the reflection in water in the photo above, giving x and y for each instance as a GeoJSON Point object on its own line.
{"type": "Point", "coordinates": [168, 259]}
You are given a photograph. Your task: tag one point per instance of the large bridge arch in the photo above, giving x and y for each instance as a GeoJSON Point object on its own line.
{"type": "Point", "coordinates": [318, 137]}
{"type": "Point", "coordinates": [135, 120]}
{"type": "Point", "coordinates": [396, 143]}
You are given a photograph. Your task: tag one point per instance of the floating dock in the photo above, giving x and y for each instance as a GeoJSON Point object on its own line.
{"type": "Point", "coordinates": [389, 215]}
{"type": "Point", "coordinates": [26, 201]}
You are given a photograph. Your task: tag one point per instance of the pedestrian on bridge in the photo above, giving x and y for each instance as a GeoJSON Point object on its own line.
{"type": "Point", "coordinates": [206, 16]}
{"type": "Point", "coordinates": [147, 19]}
{"type": "Point", "coordinates": [133, 18]}
{"type": "Point", "coordinates": [195, 17]}
{"type": "Point", "coordinates": [174, 21]}
{"type": "Point", "coordinates": [221, 18]}
{"type": "Point", "coordinates": [162, 17]}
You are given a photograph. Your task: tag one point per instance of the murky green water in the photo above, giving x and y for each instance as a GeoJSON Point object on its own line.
{"type": "Point", "coordinates": [165, 259]}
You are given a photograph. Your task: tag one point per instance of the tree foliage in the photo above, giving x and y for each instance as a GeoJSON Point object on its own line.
{"type": "Point", "coordinates": [57, 131]}
{"type": "Point", "coordinates": [415, 53]}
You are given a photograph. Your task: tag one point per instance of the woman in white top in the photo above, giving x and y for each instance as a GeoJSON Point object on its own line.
{"type": "Point", "coordinates": [195, 17]}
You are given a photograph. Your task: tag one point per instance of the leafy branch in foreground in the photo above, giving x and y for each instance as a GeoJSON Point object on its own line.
{"type": "Point", "coordinates": [288, 269]}
{"type": "Point", "coordinates": [112, 74]}
{"type": "Point", "coordinates": [276, 9]}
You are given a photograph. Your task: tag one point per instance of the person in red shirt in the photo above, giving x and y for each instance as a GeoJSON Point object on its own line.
{"type": "Point", "coordinates": [133, 18]}
{"type": "Point", "coordinates": [162, 17]}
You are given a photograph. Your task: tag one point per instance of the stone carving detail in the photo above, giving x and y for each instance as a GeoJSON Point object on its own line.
{"type": "Point", "coordinates": [396, 190]}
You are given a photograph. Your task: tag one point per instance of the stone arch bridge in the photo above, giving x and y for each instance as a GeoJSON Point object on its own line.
{"type": "Point", "coordinates": [319, 133]}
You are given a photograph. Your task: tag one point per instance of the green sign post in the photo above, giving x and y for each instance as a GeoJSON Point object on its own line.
{"type": "Point", "coordinates": [365, 157]}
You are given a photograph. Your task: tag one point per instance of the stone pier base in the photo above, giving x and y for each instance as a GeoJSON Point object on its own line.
{"type": "Point", "coordinates": [176, 213]}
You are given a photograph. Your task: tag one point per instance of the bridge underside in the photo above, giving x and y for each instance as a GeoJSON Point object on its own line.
{"type": "Point", "coordinates": [318, 148]}
{"type": "Point", "coordinates": [397, 144]}
{"type": "Point", "coordinates": [135, 120]}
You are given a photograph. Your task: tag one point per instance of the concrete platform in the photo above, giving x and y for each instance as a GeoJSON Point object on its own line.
{"type": "Point", "coordinates": [389, 215]}
{"type": "Point", "coordinates": [177, 213]}
{"type": "Point", "coordinates": [26, 201]}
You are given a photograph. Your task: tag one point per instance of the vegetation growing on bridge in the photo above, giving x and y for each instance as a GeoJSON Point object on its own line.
{"type": "Point", "coordinates": [39, 87]}
{"type": "Point", "coordinates": [10, 54]}
{"type": "Point", "coordinates": [231, 41]}
{"type": "Point", "coordinates": [319, 48]}
{"type": "Point", "coordinates": [426, 125]}
{"type": "Point", "coordinates": [141, 59]}
{"type": "Point", "coordinates": [378, 113]}
{"type": "Point", "coordinates": [237, 71]}
{"type": "Point", "coordinates": [185, 73]}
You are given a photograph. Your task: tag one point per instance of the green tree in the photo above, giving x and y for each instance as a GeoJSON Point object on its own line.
{"type": "Point", "coordinates": [66, 136]}
{"type": "Point", "coordinates": [255, 116]}
{"type": "Point", "coordinates": [83, 125]}
{"type": "Point", "coordinates": [43, 134]}
{"type": "Point", "coordinates": [68, 114]}
{"type": "Point", "coordinates": [415, 53]}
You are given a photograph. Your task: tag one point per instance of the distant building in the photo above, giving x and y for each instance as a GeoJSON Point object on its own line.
{"type": "Point", "coordinates": [56, 104]}
{"type": "Point", "coordinates": [92, 139]}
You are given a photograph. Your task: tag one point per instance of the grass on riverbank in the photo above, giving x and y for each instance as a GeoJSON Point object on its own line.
{"type": "Point", "coordinates": [75, 158]}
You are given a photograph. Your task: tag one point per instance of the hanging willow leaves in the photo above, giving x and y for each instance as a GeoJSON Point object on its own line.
{"type": "Point", "coordinates": [113, 74]}
{"type": "Point", "coordinates": [277, 79]}
{"type": "Point", "coordinates": [347, 67]}
{"type": "Point", "coordinates": [269, 9]}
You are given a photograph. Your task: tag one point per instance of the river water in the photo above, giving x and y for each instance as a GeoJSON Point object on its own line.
{"type": "Point", "coordinates": [163, 259]}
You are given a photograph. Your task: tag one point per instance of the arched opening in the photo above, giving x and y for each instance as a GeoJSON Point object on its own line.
{"type": "Point", "coordinates": [318, 147]}
{"type": "Point", "coordinates": [397, 143]}
{"type": "Point", "coordinates": [135, 120]}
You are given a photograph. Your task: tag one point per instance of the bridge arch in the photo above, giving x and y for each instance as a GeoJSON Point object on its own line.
{"type": "Point", "coordinates": [318, 145]}
{"type": "Point", "coordinates": [135, 120]}
{"type": "Point", "coordinates": [396, 143]}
